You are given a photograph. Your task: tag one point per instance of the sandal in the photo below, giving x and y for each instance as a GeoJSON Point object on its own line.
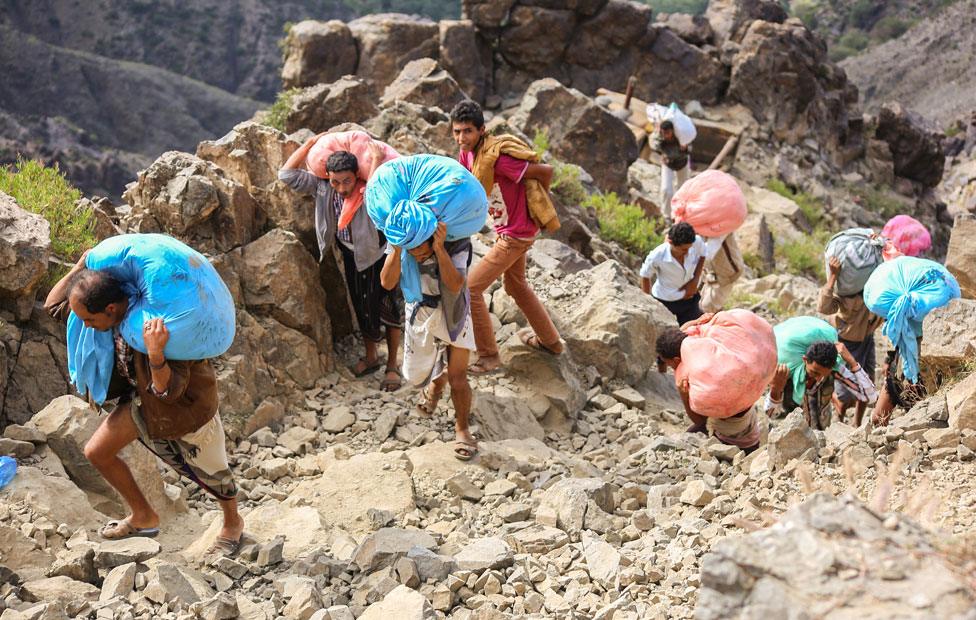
{"type": "Point", "coordinates": [465, 450]}
{"type": "Point", "coordinates": [225, 547]}
{"type": "Point", "coordinates": [428, 400]}
{"type": "Point", "coordinates": [479, 368]}
{"type": "Point", "coordinates": [391, 385]}
{"type": "Point", "coordinates": [529, 339]}
{"type": "Point", "coordinates": [119, 529]}
{"type": "Point", "coordinates": [367, 369]}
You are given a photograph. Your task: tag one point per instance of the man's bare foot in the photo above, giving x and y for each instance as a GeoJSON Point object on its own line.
{"type": "Point", "coordinates": [485, 365]}
{"type": "Point", "coordinates": [366, 366]}
{"type": "Point", "coordinates": [465, 445]}
{"type": "Point", "coordinates": [143, 520]}
{"type": "Point", "coordinates": [232, 528]}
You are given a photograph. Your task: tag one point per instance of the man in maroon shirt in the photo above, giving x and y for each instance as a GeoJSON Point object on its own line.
{"type": "Point", "coordinates": [516, 232]}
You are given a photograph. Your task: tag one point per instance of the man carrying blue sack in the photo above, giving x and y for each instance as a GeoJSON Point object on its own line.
{"type": "Point", "coordinates": [170, 406]}
{"type": "Point", "coordinates": [428, 207]}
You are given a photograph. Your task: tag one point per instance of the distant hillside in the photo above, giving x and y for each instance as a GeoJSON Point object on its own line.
{"type": "Point", "coordinates": [103, 111]}
{"type": "Point", "coordinates": [931, 68]}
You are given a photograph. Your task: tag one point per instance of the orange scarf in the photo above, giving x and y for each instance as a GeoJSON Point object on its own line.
{"type": "Point", "coordinates": [351, 204]}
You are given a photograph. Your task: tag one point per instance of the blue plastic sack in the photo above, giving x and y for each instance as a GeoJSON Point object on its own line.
{"type": "Point", "coordinates": [8, 469]}
{"type": "Point", "coordinates": [903, 291]}
{"type": "Point", "coordinates": [793, 338]}
{"type": "Point", "coordinates": [403, 194]}
{"type": "Point", "coordinates": [165, 279]}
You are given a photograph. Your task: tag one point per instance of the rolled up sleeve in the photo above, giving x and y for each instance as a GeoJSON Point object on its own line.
{"type": "Point", "coordinates": [299, 180]}
{"type": "Point", "coordinates": [179, 379]}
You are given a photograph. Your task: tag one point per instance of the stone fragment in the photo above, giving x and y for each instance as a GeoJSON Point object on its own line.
{"type": "Point", "coordinates": [961, 400]}
{"type": "Point", "coordinates": [537, 538]}
{"type": "Point", "coordinates": [338, 419]}
{"type": "Point", "coordinates": [630, 397]}
{"type": "Point", "coordinates": [16, 449]}
{"type": "Point", "coordinates": [76, 563]}
{"type": "Point", "coordinates": [317, 52]}
{"type": "Point", "coordinates": [569, 497]}
{"type": "Point", "coordinates": [401, 603]}
{"type": "Point", "coordinates": [961, 255]}
{"type": "Point", "coordinates": [119, 582]}
{"type": "Point", "coordinates": [271, 553]}
{"type": "Point", "coordinates": [73, 596]}
{"type": "Point", "coordinates": [25, 245]}
{"type": "Point", "coordinates": [304, 602]}
{"type": "Point", "coordinates": [602, 560]}
{"type": "Point", "coordinates": [180, 585]}
{"type": "Point", "coordinates": [386, 545]}
{"type": "Point", "coordinates": [790, 439]}
{"type": "Point", "coordinates": [502, 487]}
{"type": "Point", "coordinates": [697, 493]}
{"type": "Point", "coordinates": [484, 554]}
{"type": "Point", "coordinates": [297, 439]}
{"type": "Point", "coordinates": [112, 553]}
{"type": "Point", "coordinates": [424, 82]}
{"type": "Point", "coordinates": [431, 565]}
{"type": "Point", "coordinates": [461, 485]}
{"type": "Point", "coordinates": [407, 573]}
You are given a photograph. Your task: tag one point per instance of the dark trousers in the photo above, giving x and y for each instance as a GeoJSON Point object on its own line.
{"type": "Point", "coordinates": [375, 306]}
{"type": "Point", "coordinates": [684, 309]}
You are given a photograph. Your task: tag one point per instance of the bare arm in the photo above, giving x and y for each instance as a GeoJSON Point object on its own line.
{"type": "Point", "coordinates": [60, 290]}
{"type": "Point", "coordinates": [376, 154]}
{"type": "Point", "coordinates": [390, 274]}
{"type": "Point", "coordinates": [155, 335]}
{"type": "Point", "coordinates": [692, 287]}
{"type": "Point", "coordinates": [297, 159]}
{"type": "Point", "coordinates": [827, 303]}
{"type": "Point", "coordinates": [541, 173]}
{"type": "Point", "coordinates": [645, 284]}
{"type": "Point", "coordinates": [450, 277]}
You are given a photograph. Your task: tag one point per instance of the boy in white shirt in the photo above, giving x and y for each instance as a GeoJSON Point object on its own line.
{"type": "Point", "coordinates": [676, 266]}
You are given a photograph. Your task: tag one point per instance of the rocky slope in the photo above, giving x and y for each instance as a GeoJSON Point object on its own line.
{"type": "Point", "coordinates": [929, 68]}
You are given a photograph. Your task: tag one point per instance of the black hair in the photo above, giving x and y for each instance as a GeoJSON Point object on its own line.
{"type": "Point", "coordinates": [669, 343]}
{"type": "Point", "coordinates": [468, 111]}
{"type": "Point", "coordinates": [823, 353]}
{"type": "Point", "coordinates": [681, 233]}
{"type": "Point", "coordinates": [342, 161]}
{"type": "Point", "coordinates": [97, 289]}
{"type": "Point", "coordinates": [667, 125]}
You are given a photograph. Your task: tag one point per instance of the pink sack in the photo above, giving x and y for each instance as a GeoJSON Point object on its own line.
{"type": "Point", "coordinates": [908, 235]}
{"type": "Point", "coordinates": [711, 202]}
{"type": "Point", "coordinates": [355, 142]}
{"type": "Point", "coordinates": [728, 362]}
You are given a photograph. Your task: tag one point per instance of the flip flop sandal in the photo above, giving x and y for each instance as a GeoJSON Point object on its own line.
{"type": "Point", "coordinates": [119, 529]}
{"type": "Point", "coordinates": [530, 339]}
{"type": "Point", "coordinates": [225, 547]}
{"type": "Point", "coordinates": [367, 370]}
{"type": "Point", "coordinates": [391, 385]}
{"type": "Point", "coordinates": [429, 398]}
{"type": "Point", "coordinates": [479, 370]}
{"type": "Point", "coordinates": [465, 450]}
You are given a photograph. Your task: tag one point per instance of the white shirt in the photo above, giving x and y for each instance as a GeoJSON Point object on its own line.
{"type": "Point", "coordinates": [669, 273]}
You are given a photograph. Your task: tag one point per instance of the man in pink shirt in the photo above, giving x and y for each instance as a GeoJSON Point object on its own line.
{"type": "Point", "coordinates": [516, 232]}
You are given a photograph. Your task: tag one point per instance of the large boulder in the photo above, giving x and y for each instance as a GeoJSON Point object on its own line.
{"type": "Point", "coordinates": [279, 278]}
{"type": "Point", "coordinates": [33, 366]}
{"type": "Point", "coordinates": [252, 154]}
{"type": "Point", "coordinates": [534, 37]}
{"type": "Point", "coordinates": [388, 41]}
{"type": "Point", "coordinates": [958, 188]}
{"type": "Point", "coordinates": [961, 257]}
{"type": "Point", "coordinates": [782, 75]}
{"type": "Point", "coordinates": [949, 340]}
{"type": "Point", "coordinates": [187, 197]}
{"type": "Point", "coordinates": [487, 13]}
{"type": "Point", "coordinates": [729, 18]}
{"type": "Point", "coordinates": [411, 128]}
{"type": "Point", "coordinates": [319, 108]}
{"type": "Point", "coordinates": [465, 56]}
{"type": "Point", "coordinates": [424, 82]}
{"type": "Point", "coordinates": [794, 565]}
{"type": "Point", "coordinates": [68, 422]}
{"type": "Point", "coordinates": [961, 403]}
{"type": "Point", "coordinates": [915, 143]}
{"type": "Point", "coordinates": [348, 491]}
{"type": "Point", "coordinates": [579, 131]}
{"type": "Point", "coordinates": [670, 55]}
{"type": "Point", "coordinates": [609, 323]}
{"type": "Point", "coordinates": [318, 53]}
{"type": "Point", "coordinates": [54, 497]}
{"type": "Point", "coordinates": [25, 246]}
{"type": "Point", "coordinates": [695, 29]}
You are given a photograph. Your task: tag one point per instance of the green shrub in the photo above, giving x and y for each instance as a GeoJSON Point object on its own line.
{"type": "Point", "coordinates": [812, 208]}
{"type": "Point", "coordinates": [878, 201]}
{"type": "Point", "coordinates": [279, 110]}
{"type": "Point", "coordinates": [806, 10]}
{"type": "Point", "coordinates": [741, 300]}
{"type": "Point", "coordinates": [625, 223]}
{"type": "Point", "coordinates": [540, 142]}
{"type": "Point", "coordinates": [754, 262]}
{"type": "Point", "coordinates": [804, 256]}
{"type": "Point", "coordinates": [47, 192]}
{"type": "Point", "coordinates": [566, 185]}
{"type": "Point", "coordinates": [890, 27]}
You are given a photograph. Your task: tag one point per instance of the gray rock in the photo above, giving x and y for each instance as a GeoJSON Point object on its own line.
{"type": "Point", "coordinates": [304, 602]}
{"type": "Point", "coordinates": [424, 82]}
{"type": "Point", "coordinates": [790, 439]}
{"type": "Point", "coordinates": [630, 397]}
{"type": "Point", "coordinates": [385, 424]}
{"type": "Point", "coordinates": [602, 560]}
{"type": "Point", "coordinates": [26, 432]}
{"type": "Point", "coordinates": [297, 439]}
{"type": "Point", "coordinates": [339, 419]}
{"type": "Point", "coordinates": [25, 245]}
{"type": "Point", "coordinates": [112, 553]}
{"type": "Point", "coordinates": [537, 538]}
{"type": "Point", "coordinates": [15, 448]}
{"type": "Point", "coordinates": [431, 565]}
{"type": "Point", "coordinates": [169, 583]}
{"type": "Point", "coordinates": [401, 603]}
{"type": "Point", "coordinates": [461, 485]}
{"type": "Point", "coordinates": [383, 547]}
{"type": "Point", "coordinates": [568, 499]}
{"type": "Point", "coordinates": [119, 582]}
{"type": "Point", "coordinates": [407, 573]}
{"type": "Point", "coordinates": [223, 606]}
{"type": "Point", "coordinates": [484, 554]}
{"type": "Point", "coordinates": [77, 563]}
{"type": "Point", "coordinates": [271, 553]}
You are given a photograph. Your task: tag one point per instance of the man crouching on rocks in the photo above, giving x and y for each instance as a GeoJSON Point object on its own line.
{"type": "Point", "coordinates": [170, 406]}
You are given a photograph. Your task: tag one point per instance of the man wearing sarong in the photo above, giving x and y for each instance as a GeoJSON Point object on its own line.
{"type": "Point", "coordinates": [362, 248]}
{"type": "Point", "coordinates": [855, 330]}
{"type": "Point", "coordinates": [169, 406]}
